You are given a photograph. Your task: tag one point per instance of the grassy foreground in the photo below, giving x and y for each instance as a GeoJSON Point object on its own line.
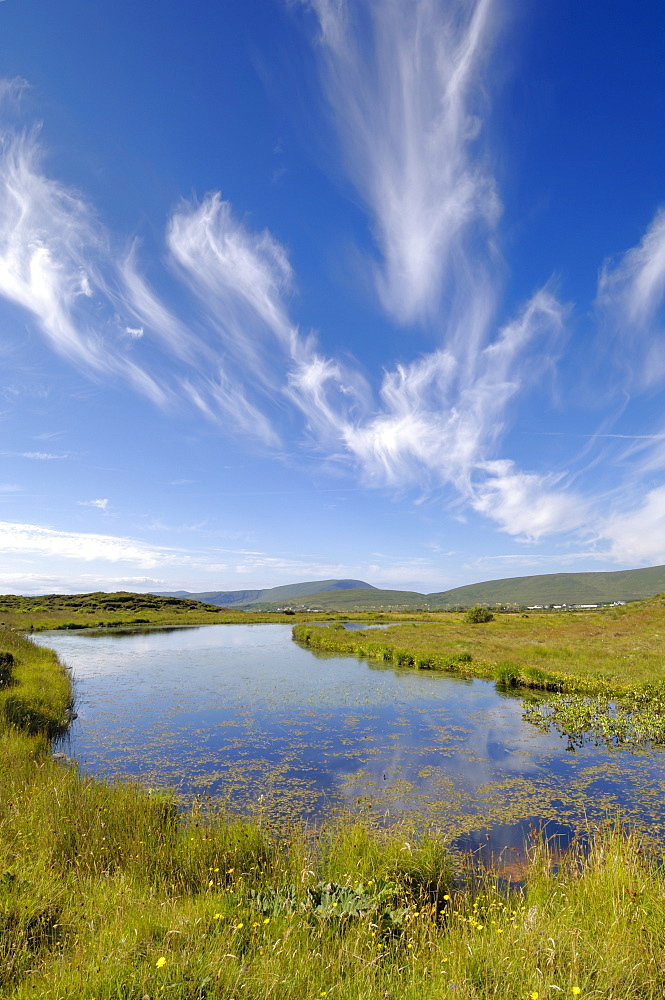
{"type": "Point", "coordinates": [106, 892]}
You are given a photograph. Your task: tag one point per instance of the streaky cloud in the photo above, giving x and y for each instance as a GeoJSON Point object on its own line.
{"type": "Point", "coordinates": [229, 266]}
{"type": "Point", "coordinates": [88, 547]}
{"type": "Point", "coordinates": [403, 82]}
{"type": "Point", "coordinates": [635, 288]}
{"type": "Point", "coordinates": [50, 249]}
{"type": "Point", "coordinates": [440, 419]}
{"type": "Point", "coordinates": [630, 298]}
{"type": "Point", "coordinates": [234, 353]}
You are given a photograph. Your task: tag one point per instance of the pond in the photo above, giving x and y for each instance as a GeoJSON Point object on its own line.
{"type": "Point", "coordinates": [242, 712]}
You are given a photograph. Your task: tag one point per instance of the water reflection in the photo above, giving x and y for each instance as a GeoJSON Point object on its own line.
{"type": "Point", "coordinates": [241, 711]}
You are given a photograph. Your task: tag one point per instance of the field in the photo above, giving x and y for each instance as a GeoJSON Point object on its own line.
{"type": "Point", "coordinates": [603, 671]}
{"type": "Point", "coordinates": [108, 892]}
{"type": "Point", "coordinates": [100, 610]}
{"type": "Point", "coordinates": [611, 650]}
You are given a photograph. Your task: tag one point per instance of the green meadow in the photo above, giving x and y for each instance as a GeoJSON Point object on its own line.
{"type": "Point", "coordinates": [109, 891]}
{"type": "Point", "coordinates": [121, 610]}
{"type": "Point", "coordinates": [609, 650]}
{"type": "Point", "coordinates": [603, 671]}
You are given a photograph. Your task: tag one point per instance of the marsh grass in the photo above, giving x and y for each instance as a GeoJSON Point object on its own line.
{"type": "Point", "coordinates": [604, 671]}
{"type": "Point", "coordinates": [122, 609]}
{"type": "Point", "coordinates": [600, 652]}
{"type": "Point", "coordinates": [107, 891]}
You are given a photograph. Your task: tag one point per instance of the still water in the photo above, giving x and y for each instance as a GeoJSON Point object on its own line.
{"type": "Point", "coordinates": [242, 712]}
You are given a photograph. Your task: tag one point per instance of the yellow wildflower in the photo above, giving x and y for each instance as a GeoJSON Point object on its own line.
{"type": "Point", "coordinates": [575, 990]}
{"type": "Point", "coordinates": [160, 962]}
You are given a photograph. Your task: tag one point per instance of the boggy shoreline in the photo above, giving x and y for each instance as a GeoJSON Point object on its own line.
{"type": "Point", "coordinates": [107, 892]}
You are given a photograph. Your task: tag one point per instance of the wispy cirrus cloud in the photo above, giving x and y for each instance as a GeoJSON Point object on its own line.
{"type": "Point", "coordinates": [236, 354]}
{"type": "Point", "coordinates": [36, 456]}
{"type": "Point", "coordinates": [52, 253]}
{"type": "Point", "coordinates": [402, 81]}
{"type": "Point", "coordinates": [637, 533]}
{"type": "Point", "coordinates": [630, 298]}
{"type": "Point", "coordinates": [404, 85]}
{"type": "Point", "coordinates": [635, 287]}
{"type": "Point", "coordinates": [527, 504]}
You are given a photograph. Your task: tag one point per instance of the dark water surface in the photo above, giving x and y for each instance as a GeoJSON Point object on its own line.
{"type": "Point", "coordinates": [241, 711]}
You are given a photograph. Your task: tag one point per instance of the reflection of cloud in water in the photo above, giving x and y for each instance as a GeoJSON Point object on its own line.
{"type": "Point", "coordinates": [242, 711]}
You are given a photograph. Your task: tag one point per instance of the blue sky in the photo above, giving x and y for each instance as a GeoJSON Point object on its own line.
{"type": "Point", "coordinates": [298, 289]}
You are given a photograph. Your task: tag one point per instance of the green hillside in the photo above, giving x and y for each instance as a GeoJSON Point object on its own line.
{"type": "Point", "coordinates": [519, 591]}
{"type": "Point", "coordinates": [352, 600]}
{"type": "Point", "coordinates": [259, 599]}
{"type": "Point", "coordinates": [102, 602]}
{"type": "Point", "coordinates": [558, 588]}
{"type": "Point", "coordinates": [85, 610]}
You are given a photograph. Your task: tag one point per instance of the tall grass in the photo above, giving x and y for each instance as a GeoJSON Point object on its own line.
{"type": "Point", "coordinates": [107, 891]}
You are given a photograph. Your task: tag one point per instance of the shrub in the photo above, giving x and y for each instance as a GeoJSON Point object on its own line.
{"type": "Point", "coordinates": [478, 615]}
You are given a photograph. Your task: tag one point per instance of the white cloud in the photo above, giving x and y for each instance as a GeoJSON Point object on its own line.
{"type": "Point", "coordinates": [403, 83]}
{"type": "Point", "coordinates": [630, 299]}
{"type": "Point", "coordinates": [100, 504]}
{"type": "Point", "coordinates": [637, 535]}
{"type": "Point", "coordinates": [527, 504]}
{"type": "Point", "coordinates": [49, 542]}
{"type": "Point", "coordinates": [239, 276]}
{"type": "Point", "coordinates": [11, 91]}
{"type": "Point", "coordinates": [37, 456]}
{"type": "Point", "coordinates": [439, 419]}
{"type": "Point", "coordinates": [236, 355]}
{"type": "Point", "coordinates": [38, 583]}
{"type": "Point", "coordinates": [636, 286]}
{"type": "Point", "coordinates": [52, 252]}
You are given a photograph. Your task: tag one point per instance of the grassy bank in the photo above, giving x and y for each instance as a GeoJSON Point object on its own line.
{"type": "Point", "coordinates": [122, 609]}
{"type": "Point", "coordinates": [607, 652]}
{"type": "Point", "coordinates": [604, 671]}
{"type": "Point", "coordinates": [106, 892]}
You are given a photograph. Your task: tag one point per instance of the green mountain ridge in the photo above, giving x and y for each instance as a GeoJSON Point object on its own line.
{"type": "Point", "coordinates": [272, 595]}
{"type": "Point", "coordinates": [519, 591]}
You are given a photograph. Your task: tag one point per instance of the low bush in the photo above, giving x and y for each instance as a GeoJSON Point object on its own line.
{"type": "Point", "coordinates": [478, 615]}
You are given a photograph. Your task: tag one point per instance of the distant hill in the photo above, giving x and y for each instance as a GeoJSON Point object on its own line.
{"type": "Point", "coordinates": [519, 591]}
{"type": "Point", "coordinates": [221, 598]}
{"type": "Point", "coordinates": [558, 588]}
{"type": "Point", "coordinates": [273, 595]}
{"type": "Point", "coordinates": [367, 599]}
